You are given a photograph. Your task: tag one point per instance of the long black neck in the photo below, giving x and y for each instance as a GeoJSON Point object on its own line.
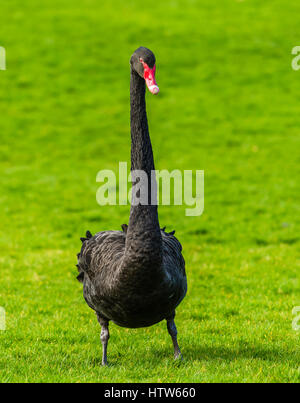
{"type": "Point", "coordinates": [141, 148]}
{"type": "Point", "coordinates": [143, 234]}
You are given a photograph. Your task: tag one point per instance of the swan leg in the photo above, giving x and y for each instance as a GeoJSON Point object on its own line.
{"type": "Point", "coordinates": [104, 336]}
{"type": "Point", "coordinates": [173, 333]}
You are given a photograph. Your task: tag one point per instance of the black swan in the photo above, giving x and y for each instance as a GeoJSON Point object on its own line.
{"type": "Point", "coordinates": [135, 277]}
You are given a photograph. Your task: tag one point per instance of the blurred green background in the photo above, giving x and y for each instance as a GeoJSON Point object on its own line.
{"type": "Point", "coordinates": [229, 104]}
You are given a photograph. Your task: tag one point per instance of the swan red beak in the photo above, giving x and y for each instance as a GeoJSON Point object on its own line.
{"type": "Point", "coordinates": [149, 76]}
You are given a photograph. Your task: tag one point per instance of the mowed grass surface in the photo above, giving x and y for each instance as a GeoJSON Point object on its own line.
{"type": "Point", "coordinates": [229, 104]}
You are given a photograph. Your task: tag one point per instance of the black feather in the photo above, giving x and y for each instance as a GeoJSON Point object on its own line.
{"type": "Point", "coordinates": [80, 277]}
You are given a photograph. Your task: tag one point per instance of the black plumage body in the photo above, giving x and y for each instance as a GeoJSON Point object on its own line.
{"type": "Point", "coordinates": [135, 277]}
{"type": "Point", "coordinates": [131, 298]}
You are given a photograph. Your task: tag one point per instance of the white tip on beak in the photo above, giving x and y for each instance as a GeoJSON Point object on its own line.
{"type": "Point", "coordinates": [154, 89]}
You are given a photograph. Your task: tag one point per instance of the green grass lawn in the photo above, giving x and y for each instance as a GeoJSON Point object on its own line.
{"type": "Point", "coordinates": [229, 104]}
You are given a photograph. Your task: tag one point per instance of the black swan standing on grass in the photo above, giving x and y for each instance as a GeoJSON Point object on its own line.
{"type": "Point", "coordinates": [135, 277]}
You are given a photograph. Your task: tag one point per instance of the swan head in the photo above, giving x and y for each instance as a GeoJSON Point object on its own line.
{"type": "Point", "coordinates": [143, 62]}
